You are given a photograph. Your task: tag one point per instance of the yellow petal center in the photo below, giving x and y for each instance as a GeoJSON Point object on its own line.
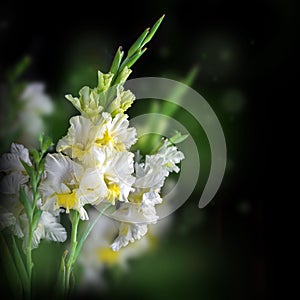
{"type": "Point", "coordinates": [107, 138]}
{"type": "Point", "coordinates": [68, 201]}
{"type": "Point", "coordinates": [113, 192]}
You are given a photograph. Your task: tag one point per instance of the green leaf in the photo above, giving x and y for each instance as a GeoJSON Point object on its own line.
{"type": "Point", "coordinates": [117, 61]}
{"type": "Point", "coordinates": [178, 138]}
{"type": "Point", "coordinates": [41, 167]}
{"type": "Point", "coordinates": [36, 155]}
{"type": "Point", "coordinates": [10, 269]}
{"type": "Point", "coordinates": [137, 44]}
{"type": "Point", "coordinates": [135, 51]}
{"type": "Point", "coordinates": [24, 199]}
{"type": "Point", "coordinates": [46, 144]}
{"type": "Point", "coordinates": [20, 266]}
{"type": "Point", "coordinates": [152, 31]}
{"type": "Point", "coordinates": [62, 272]}
{"type": "Point", "coordinates": [36, 219]}
{"type": "Point", "coordinates": [41, 140]}
{"type": "Point", "coordinates": [131, 60]}
{"type": "Point", "coordinates": [29, 169]}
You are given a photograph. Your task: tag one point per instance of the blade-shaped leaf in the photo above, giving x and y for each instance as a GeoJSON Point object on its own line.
{"type": "Point", "coordinates": [137, 44]}
{"type": "Point", "coordinates": [25, 200]}
{"type": "Point", "coordinates": [152, 31]}
{"type": "Point", "coordinates": [178, 138]}
{"type": "Point", "coordinates": [29, 169]}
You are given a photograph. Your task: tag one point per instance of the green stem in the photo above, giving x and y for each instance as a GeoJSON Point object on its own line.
{"type": "Point", "coordinates": [21, 269]}
{"type": "Point", "coordinates": [89, 229]}
{"type": "Point", "coordinates": [29, 263]}
{"type": "Point", "coordinates": [75, 217]}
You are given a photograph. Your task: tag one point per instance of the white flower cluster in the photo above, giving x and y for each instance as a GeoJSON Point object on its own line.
{"type": "Point", "coordinates": [94, 165]}
{"type": "Point", "coordinates": [12, 213]}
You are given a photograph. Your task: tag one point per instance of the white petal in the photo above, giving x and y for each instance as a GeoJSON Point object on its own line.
{"type": "Point", "coordinates": [83, 214]}
{"type": "Point", "coordinates": [37, 236]}
{"type": "Point", "coordinates": [10, 162]}
{"type": "Point", "coordinates": [20, 151]}
{"type": "Point", "coordinates": [61, 172]}
{"type": "Point", "coordinates": [54, 231]}
{"type": "Point", "coordinates": [81, 136]}
{"type": "Point", "coordinates": [11, 183]}
{"type": "Point", "coordinates": [7, 219]}
{"type": "Point", "coordinates": [128, 233]}
{"type": "Point", "coordinates": [92, 188]}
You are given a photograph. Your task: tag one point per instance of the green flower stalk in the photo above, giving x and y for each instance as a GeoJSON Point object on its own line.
{"type": "Point", "coordinates": [33, 212]}
{"type": "Point", "coordinates": [21, 214]}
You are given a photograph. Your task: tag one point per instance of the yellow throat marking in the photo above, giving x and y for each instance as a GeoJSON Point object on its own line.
{"type": "Point", "coordinates": [113, 192]}
{"type": "Point", "coordinates": [67, 201]}
{"type": "Point", "coordinates": [106, 139]}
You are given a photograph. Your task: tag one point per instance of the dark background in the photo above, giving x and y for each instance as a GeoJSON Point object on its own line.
{"type": "Point", "coordinates": [229, 255]}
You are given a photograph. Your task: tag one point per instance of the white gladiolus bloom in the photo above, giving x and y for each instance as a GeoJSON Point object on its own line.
{"type": "Point", "coordinates": [128, 233]}
{"type": "Point", "coordinates": [143, 213]}
{"type": "Point", "coordinates": [114, 132]}
{"type": "Point", "coordinates": [11, 162]}
{"type": "Point", "coordinates": [85, 137]}
{"type": "Point", "coordinates": [49, 229]}
{"type": "Point", "coordinates": [150, 174]}
{"type": "Point", "coordinates": [170, 155]}
{"type": "Point", "coordinates": [11, 183]}
{"type": "Point", "coordinates": [7, 219]}
{"type": "Point", "coordinates": [59, 189]}
{"type": "Point", "coordinates": [81, 137]}
{"type": "Point", "coordinates": [109, 180]}
{"type": "Point", "coordinates": [17, 222]}
{"type": "Point", "coordinates": [15, 178]}
{"type": "Point", "coordinates": [140, 211]}
{"type": "Point", "coordinates": [14, 218]}
{"type": "Point", "coordinates": [12, 208]}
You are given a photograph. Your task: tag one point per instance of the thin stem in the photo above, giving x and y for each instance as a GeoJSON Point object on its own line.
{"type": "Point", "coordinates": [87, 232]}
{"type": "Point", "coordinates": [71, 258]}
{"type": "Point", "coordinates": [28, 254]}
